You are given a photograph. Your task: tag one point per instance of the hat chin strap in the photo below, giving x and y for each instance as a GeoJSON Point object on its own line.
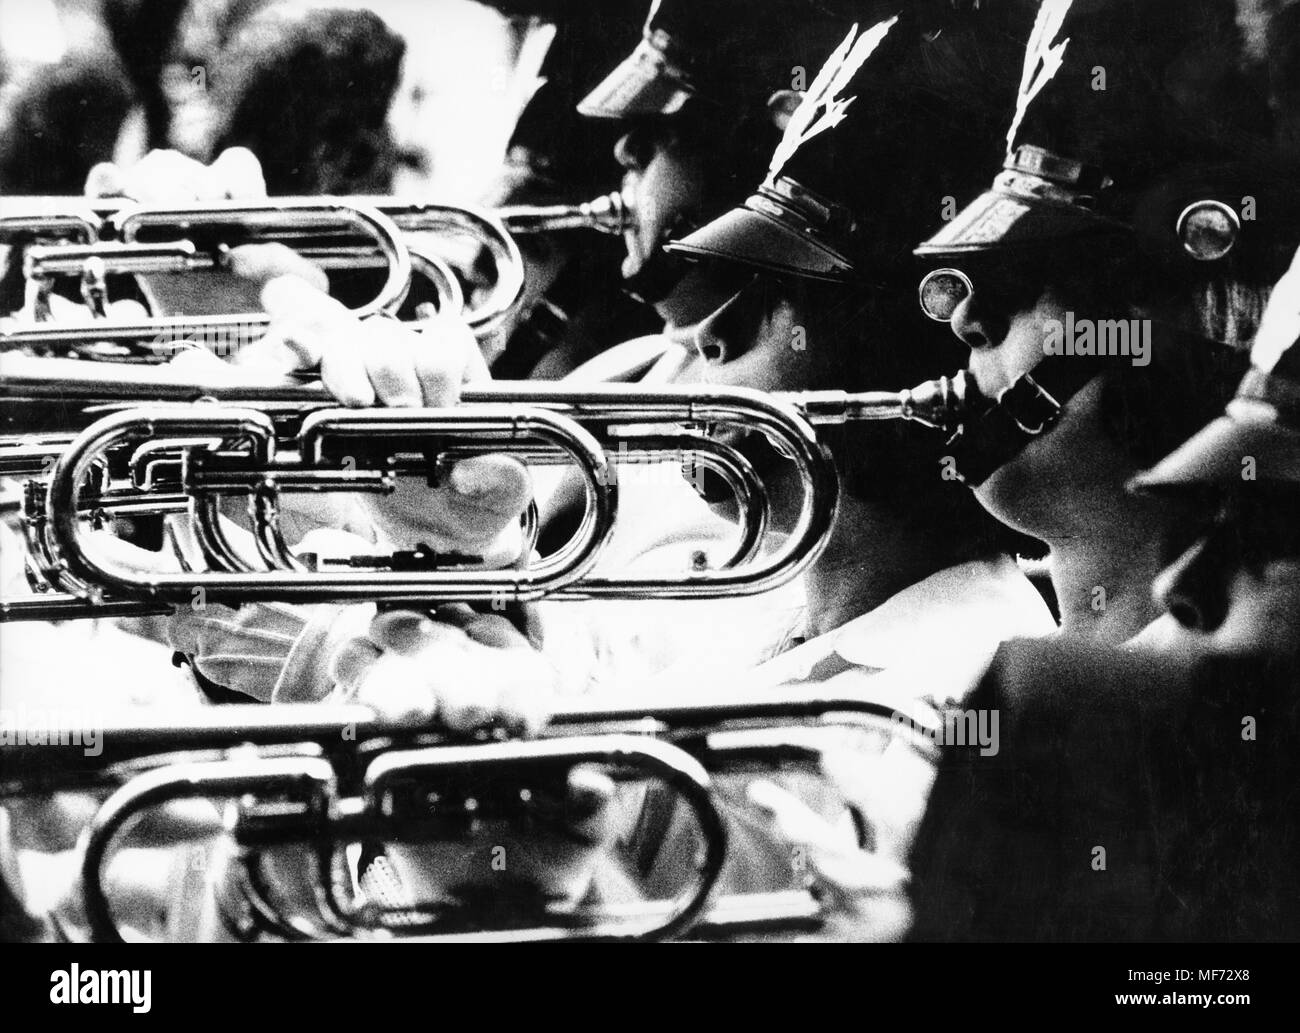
{"type": "Point", "coordinates": [996, 431]}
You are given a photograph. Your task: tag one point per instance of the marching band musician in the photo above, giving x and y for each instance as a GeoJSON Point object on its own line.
{"type": "Point", "coordinates": [573, 306]}
{"type": "Point", "coordinates": [1179, 797]}
{"type": "Point", "coordinates": [821, 249]}
{"type": "Point", "coordinates": [692, 102]}
{"type": "Point", "coordinates": [1125, 217]}
{"type": "Point", "coordinates": [1234, 589]}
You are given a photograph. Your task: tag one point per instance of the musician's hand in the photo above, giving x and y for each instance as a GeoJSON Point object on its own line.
{"type": "Point", "coordinates": [465, 671]}
{"type": "Point", "coordinates": [381, 362]}
{"type": "Point", "coordinates": [864, 891]}
{"type": "Point", "coordinates": [165, 178]}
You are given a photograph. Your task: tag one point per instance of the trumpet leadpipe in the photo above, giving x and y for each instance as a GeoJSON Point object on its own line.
{"type": "Point", "coordinates": [59, 397]}
{"type": "Point", "coordinates": [608, 214]}
{"type": "Point", "coordinates": [90, 218]}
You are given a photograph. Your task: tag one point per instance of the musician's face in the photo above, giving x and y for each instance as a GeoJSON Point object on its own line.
{"type": "Point", "coordinates": [1071, 478]}
{"type": "Point", "coordinates": [663, 179]}
{"type": "Point", "coordinates": [765, 336]}
{"type": "Point", "coordinates": [1237, 589]}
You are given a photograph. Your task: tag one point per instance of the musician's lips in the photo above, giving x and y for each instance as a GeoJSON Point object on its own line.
{"type": "Point", "coordinates": [977, 398]}
{"type": "Point", "coordinates": [991, 371]}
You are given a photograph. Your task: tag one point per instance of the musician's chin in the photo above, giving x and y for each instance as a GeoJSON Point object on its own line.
{"type": "Point", "coordinates": [634, 260]}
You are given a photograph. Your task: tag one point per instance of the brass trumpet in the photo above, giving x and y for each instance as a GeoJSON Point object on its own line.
{"type": "Point", "coordinates": [258, 443]}
{"type": "Point", "coordinates": [93, 238]}
{"type": "Point", "coordinates": [24, 219]}
{"type": "Point", "coordinates": [322, 777]}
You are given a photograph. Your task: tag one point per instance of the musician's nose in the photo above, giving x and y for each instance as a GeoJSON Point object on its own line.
{"type": "Point", "coordinates": [978, 323]}
{"type": "Point", "coordinates": [1195, 587]}
{"type": "Point", "coordinates": [729, 332]}
{"type": "Point", "coordinates": [634, 150]}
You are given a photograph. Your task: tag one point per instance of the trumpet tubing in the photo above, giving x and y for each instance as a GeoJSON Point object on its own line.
{"type": "Point", "coordinates": [327, 776]}
{"type": "Point", "coordinates": [94, 238]}
{"type": "Point", "coordinates": [258, 444]}
{"type": "Point", "coordinates": [29, 218]}
{"type": "Point", "coordinates": [128, 742]}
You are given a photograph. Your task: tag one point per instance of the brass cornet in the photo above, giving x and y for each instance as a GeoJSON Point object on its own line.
{"type": "Point", "coordinates": [322, 777]}
{"type": "Point", "coordinates": [91, 239]}
{"type": "Point", "coordinates": [256, 444]}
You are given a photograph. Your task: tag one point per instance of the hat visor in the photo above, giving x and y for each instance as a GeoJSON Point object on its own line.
{"type": "Point", "coordinates": [1216, 457]}
{"type": "Point", "coordinates": [997, 220]}
{"type": "Point", "coordinates": [635, 87]}
{"type": "Point", "coordinates": [760, 241]}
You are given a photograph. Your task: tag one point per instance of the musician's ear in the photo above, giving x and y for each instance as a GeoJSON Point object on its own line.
{"type": "Point", "coordinates": [781, 106]}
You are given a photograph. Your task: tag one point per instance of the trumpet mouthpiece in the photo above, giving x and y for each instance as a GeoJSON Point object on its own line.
{"type": "Point", "coordinates": [611, 213]}
{"type": "Point", "coordinates": [936, 403]}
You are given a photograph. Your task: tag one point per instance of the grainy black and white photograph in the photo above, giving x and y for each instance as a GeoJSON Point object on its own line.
{"type": "Point", "coordinates": [726, 471]}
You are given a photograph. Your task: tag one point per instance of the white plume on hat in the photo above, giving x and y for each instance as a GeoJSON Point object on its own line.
{"type": "Point", "coordinates": [1042, 60]}
{"type": "Point", "coordinates": [821, 107]}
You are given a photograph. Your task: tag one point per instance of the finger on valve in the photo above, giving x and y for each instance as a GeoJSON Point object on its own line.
{"type": "Point", "coordinates": [320, 333]}
{"type": "Point", "coordinates": [590, 794]}
{"type": "Point", "coordinates": [261, 263]}
{"type": "Point", "coordinates": [847, 871]}
{"type": "Point", "coordinates": [166, 177]}
{"type": "Point", "coordinates": [418, 669]}
{"type": "Point", "coordinates": [496, 484]}
{"type": "Point", "coordinates": [236, 174]}
{"type": "Point", "coordinates": [106, 179]}
{"type": "Point", "coordinates": [486, 671]}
